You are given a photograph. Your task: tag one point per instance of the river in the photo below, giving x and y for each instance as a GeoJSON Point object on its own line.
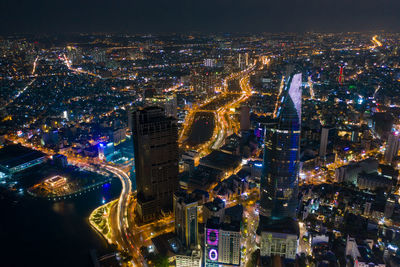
{"type": "Point", "coordinates": [37, 232]}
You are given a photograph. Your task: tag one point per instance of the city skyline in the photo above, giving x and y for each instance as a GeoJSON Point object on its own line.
{"type": "Point", "coordinates": [196, 149]}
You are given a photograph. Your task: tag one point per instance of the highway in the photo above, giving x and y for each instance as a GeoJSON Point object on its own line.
{"type": "Point", "coordinates": [68, 64]}
{"type": "Point", "coordinates": [226, 125]}
{"type": "Point", "coordinates": [20, 92]}
{"type": "Point", "coordinates": [123, 199]}
{"type": "Point", "coordinates": [376, 41]}
{"type": "Point", "coordinates": [125, 232]}
{"type": "Point", "coordinates": [220, 107]}
{"type": "Point", "coordinates": [35, 65]}
{"type": "Point", "coordinates": [129, 241]}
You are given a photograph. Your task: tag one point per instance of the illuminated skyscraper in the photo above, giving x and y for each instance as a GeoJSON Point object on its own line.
{"type": "Point", "coordinates": [278, 228]}
{"type": "Point", "coordinates": [155, 142]}
{"type": "Point", "coordinates": [279, 183]}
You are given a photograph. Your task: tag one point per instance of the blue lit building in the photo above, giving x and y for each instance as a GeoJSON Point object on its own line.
{"type": "Point", "coordinates": [278, 228]}
{"type": "Point", "coordinates": [279, 181]}
{"type": "Point", "coordinates": [106, 150]}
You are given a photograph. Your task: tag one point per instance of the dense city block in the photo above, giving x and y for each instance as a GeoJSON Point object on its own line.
{"type": "Point", "coordinates": [200, 149]}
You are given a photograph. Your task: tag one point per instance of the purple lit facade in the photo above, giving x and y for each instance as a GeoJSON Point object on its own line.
{"type": "Point", "coordinates": [212, 237]}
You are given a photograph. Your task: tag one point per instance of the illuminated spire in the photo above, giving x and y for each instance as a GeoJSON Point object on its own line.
{"type": "Point", "coordinates": [295, 93]}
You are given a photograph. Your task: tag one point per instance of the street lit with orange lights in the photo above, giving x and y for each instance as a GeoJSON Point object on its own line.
{"type": "Point", "coordinates": [113, 143]}
{"type": "Point", "coordinates": [376, 41]}
{"type": "Point", "coordinates": [220, 107]}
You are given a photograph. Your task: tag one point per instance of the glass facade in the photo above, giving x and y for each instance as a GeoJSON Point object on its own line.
{"type": "Point", "coordinates": [155, 143]}
{"type": "Point", "coordinates": [279, 182]}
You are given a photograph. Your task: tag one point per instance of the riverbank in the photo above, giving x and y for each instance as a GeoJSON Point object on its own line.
{"type": "Point", "coordinates": [99, 219]}
{"type": "Point", "coordinates": [56, 233]}
{"type": "Point", "coordinates": [77, 193]}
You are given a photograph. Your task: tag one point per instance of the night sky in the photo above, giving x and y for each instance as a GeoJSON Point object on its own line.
{"type": "Point", "coordinates": [52, 16]}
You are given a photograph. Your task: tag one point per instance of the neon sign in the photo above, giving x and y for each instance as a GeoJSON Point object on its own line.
{"type": "Point", "coordinates": [212, 237]}
{"type": "Point", "coordinates": [213, 254]}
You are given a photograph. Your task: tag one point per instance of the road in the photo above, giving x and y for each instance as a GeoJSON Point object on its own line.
{"type": "Point", "coordinates": [127, 234]}
{"type": "Point", "coordinates": [122, 226]}
{"type": "Point", "coordinates": [304, 245]}
{"type": "Point", "coordinates": [248, 241]}
{"type": "Point", "coordinates": [220, 106]}
{"type": "Point", "coordinates": [376, 41]}
{"type": "Point", "coordinates": [20, 92]}
{"type": "Point", "coordinates": [77, 70]}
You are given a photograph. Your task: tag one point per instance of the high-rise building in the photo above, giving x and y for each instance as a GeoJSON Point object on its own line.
{"type": "Point", "coordinates": [244, 118]}
{"type": "Point", "coordinates": [49, 137]}
{"type": "Point", "coordinates": [204, 80]}
{"type": "Point", "coordinates": [171, 106]}
{"type": "Point", "coordinates": [326, 136]}
{"type": "Point", "coordinates": [389, 207]}
{"type": "Point", "coordinates": [279, 182]}
{"type": "Point", "coordinates": [222, 243]}
{"type": "Point", "coordinates": [106, 150]}
{"type": "Point", "coordinates": [243, 60]}
{"type": "Point", "coordinates": [99, 55]}
{"type": "Point", "coordinates": [130, 120]}
{"type": "Point", "coordinates": [324, 142]}
{"type": "Point", "coordinates": [392, 147]}
{"type": "Point", "coordinates": [382, 124]}
{"type": "Point", "coordinates": [185, 211]}
{"type": "Point", "coordinates": [156, 161]}
{"type": "Point", "coordinates": [118, 136]}
{"type": "Point", "coordinates": [229, 244]}
{"type": "Point", "coordinates": [74, 54]}
{"type": "Point", "coordinates": [341, 75]}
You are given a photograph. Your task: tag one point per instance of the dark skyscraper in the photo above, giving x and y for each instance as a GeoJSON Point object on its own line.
{"type": "Point", "coordinates": [186, 227]}
{"type": "Point", "coordinates": [156, 161]}
{"type": "Point", "coordinates": [279, 183]}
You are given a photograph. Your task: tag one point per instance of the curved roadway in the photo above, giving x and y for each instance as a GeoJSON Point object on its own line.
{"type": "Point", "coordinates": [122, 210]}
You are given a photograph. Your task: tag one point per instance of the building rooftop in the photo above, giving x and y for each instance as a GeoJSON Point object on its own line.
{"type": "Point", "coordinates": [167, 244]}
{"type": "Point", "coordinates": [284, 226]}
{"type": "Point", "coordinates": [221, 160]}
{"type": "Point", "coordinates": [215, 205]}
{"type": "Point", "coordinates": [235, 213]}
{"type": "Point", "coordinates": [55, 179]}
{"type": "Point", "coordinates": [15, 155]}
{"type": "Point", "coordinates": [214, 223]}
